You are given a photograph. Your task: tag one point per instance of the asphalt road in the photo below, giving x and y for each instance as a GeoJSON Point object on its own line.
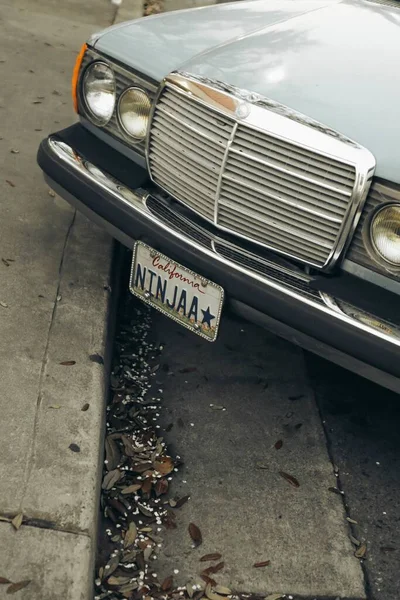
{"type": "Point", "coordinates": [226, 405]}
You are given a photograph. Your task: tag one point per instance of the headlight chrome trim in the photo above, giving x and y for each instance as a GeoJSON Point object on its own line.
{"type": "Point", "coordinates": [370, 243]}
{"type": "Point", "coordinates": [124, 130]}
{"type": "Point", "coordinates": [87, 110]}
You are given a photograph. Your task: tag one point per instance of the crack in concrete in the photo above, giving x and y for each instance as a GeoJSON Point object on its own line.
{"type": "Point", "coordinates": [31, 452]}
{"type": "Point", "coordinates": [346, 507]}
{"type": "Point", "coordinates": [115, 15]}
{"type": "Point", "coordinates": [44, 524]}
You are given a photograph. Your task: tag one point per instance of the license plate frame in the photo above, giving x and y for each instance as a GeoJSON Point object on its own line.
{"type": "Point", "coordinates": [196, 286]}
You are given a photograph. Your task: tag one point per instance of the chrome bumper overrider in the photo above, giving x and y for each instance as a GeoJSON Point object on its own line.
{"type": "Point", "coordinates": [278, 275]}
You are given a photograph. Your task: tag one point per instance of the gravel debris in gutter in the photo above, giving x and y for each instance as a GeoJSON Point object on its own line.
{"type": "Point", "coordinates": [136, 509]}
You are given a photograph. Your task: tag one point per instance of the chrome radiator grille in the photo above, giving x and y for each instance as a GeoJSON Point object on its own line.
{"type": "Point", "coordinates": [187, 149]}
{"type": "Point", "coordinates": [248, 181]}
{"type": "Point", "coordinates": [274, 191]}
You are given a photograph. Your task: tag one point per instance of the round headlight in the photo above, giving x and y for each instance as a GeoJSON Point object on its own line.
{"type": "Point", "coordinates": [134, 112]}
{"type": "Point", "coordinates": [98, 90]}
{"type": "Point", "coordinates": [385, 234]}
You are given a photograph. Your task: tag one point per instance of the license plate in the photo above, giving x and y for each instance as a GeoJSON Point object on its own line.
{"type": "Point", "coordinates": [178, 292]}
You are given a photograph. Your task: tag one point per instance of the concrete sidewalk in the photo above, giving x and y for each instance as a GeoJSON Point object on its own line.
{"type": "Point", "coordinates": [54, 301]}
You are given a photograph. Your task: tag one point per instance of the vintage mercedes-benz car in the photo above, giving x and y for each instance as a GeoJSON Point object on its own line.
{"type": "Point", "coordinates": [249, 154]}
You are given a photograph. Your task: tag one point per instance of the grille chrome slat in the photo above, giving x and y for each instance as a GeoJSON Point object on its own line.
{"type": "Point", "coordinates": [194, 184]}
{"type": "Point", "coordinates": [177, 101]}
{"type": "Point", "coordinates": [203, 157]}
{"type": "Point", "coordinates": [173, 123]}
{"type": "Point", "coordinates": [275, 223]}
{"type": "Point", "coordinates": [254, 177]}
{"type": "Point", "coordinates": [285, 171]}
{"type": "Point", "coordinates": [213, 128]}
{"type": "Point", "coordinates": [286, 195]}
{"type": "Point", "coordinates": [209, 177]}
{"type": "Point", "coordinates": [202, 202]}
{"type": "Point", "coordinates": [204, 165]}
{"type": "Point", "coordinates": [334, 201]}
{"type": "Point", "coordinates": [181, 137]}
{"type": "Point", "coordinates": [276, 240]}
{"type": "Point", "coordinates": [230, 193]}
{"type": "Point", "coordinates": [305, 159]}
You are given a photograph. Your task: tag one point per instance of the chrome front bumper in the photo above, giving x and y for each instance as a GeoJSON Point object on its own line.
{"type": "Point", "coordinates": [275, 276]}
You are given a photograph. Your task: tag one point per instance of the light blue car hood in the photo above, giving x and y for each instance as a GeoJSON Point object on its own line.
{"type": "Point", "coordinates": [334, 61]}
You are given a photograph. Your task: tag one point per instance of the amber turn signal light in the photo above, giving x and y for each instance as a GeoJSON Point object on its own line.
{"type": "Point", "coordinates": [75, 75]}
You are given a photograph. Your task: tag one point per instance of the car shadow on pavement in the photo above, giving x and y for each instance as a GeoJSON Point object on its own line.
{"type": "Point", "coordinates": [361, 422]}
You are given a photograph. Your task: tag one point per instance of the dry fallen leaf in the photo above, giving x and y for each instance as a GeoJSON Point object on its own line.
{"type": "Point", "coordinates": [4, 580]}
{"type": "Point", "coordinates": [113, 455]}
{"type": "Point", "coordinates": [164, 465]}
{"type": "Point", "coordinates": [97, 359]}
{"type": "Point", "coordinates": [111, 566]}
{"type": "Point", "coordinates": [214, 568]}
{"type": "Point", "coordinates": [351, 521]}
{"type": "Point", "coordinates": [161, 487]}
{"type": "Point", "coordinates": [212, 595]}
{"type": "Point", "coordinates": [361, 551]}
{"type": "Point", "coordinates": [146, 487]}
{"type": "Point", "coordinates": [181, 501]}
{"type": "Point", "coordinates": [145, 511]}
{"type": "Point", "coordinates": [209, 580]}
{"type": "Point", "coordinates": [264, 563]}
{"type": "Point", "coordinates": [387, 549]}
{"type": "Point", "coordinates": [195, 534]}
{"type": "Point", "coordinates": [131, 489]}
{"type": "Point", "coordinates": [15, 587]}
{"type": "Point", "coordinates": [130, 535]}
{"type": "Point", "coordinates": [278, 445]}
{"type": "Point", "coordinates": [17, 521]}
{"type": "Point", "coordinates": [209, 557]}
{"type": "Point", "coordinates": [167, 583]}
{"type": "Point", "coordinates": [114, 581]}
{"type": "Point", "coordinates": [68, 363]}
{"type": "Point", "coordinates": [110, 479]}
{"type": "Point", "coordinates": [355, 541]}
{"type": "Point", "coordinates": [126, 590]}
{"type": "Point", "coordinates": [85, 407]}
{"type": "Point", "coordinates": [290, 479]}
{"type": "Point", "coordinates": [220, 589]}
